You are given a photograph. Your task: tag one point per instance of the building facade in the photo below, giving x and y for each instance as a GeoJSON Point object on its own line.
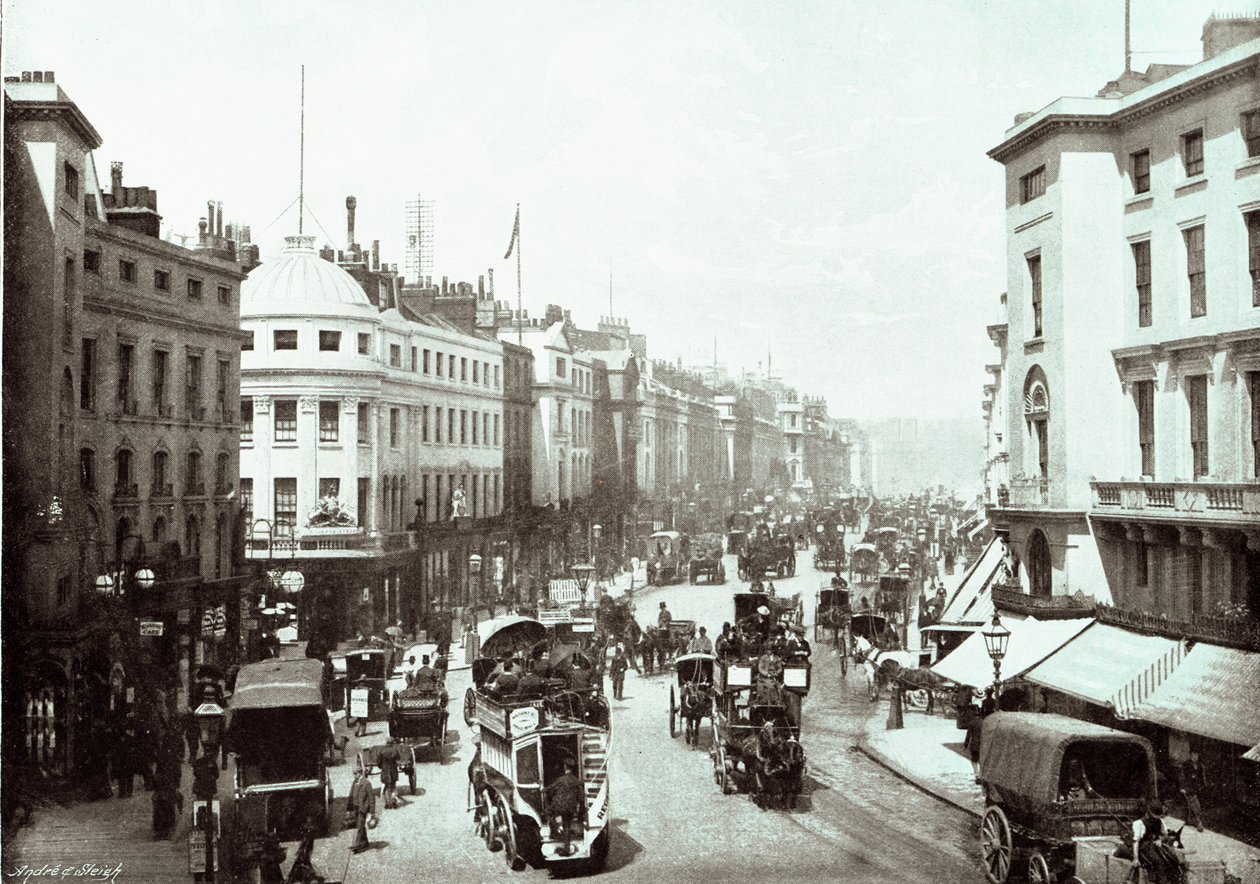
{"type": "Point", "coordinates": [119, 511]}
{"type": "Point", "coordinates": [1131, 370]}
{"type": "Point", "coordinates": [369, 434]}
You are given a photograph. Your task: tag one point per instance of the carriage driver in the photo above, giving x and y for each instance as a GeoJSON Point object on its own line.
{"type": "Point", "coordinates": [564, 804]}
{"type": "Point", "coordinates": [426, 677]}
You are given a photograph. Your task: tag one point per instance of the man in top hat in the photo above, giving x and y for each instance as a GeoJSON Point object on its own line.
{"type": "Point", "coordinates": [362, 802]}
{"type": "Point", "coordinates": [426, 678]}
{"type": "Point", "coordinates": [565, 802]}
{"type": "Point", "coordinates": [664, 618]}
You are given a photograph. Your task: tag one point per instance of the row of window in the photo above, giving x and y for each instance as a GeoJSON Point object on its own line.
{"type": "Point", "coordinates": [480, 496]}
{"type": "Point", "coordinates": [1194, 240]}
{"type": "Point", "coordinates": [1190, 151]}
{"type": "Point", "coordinates": [163, 386]}
{"type": "Point", "coordinates": [579, 378]}
{"type": "Point", "coordinates": [446, 364]}
{"type": "Point", "coordinates": [1196, 390]}
{"type": "Point", "coordinates": [437, 424]}
{"type": "Point", "coordinates": [161, 474]}
{"type": "Point", "coordinates": [127, 272]}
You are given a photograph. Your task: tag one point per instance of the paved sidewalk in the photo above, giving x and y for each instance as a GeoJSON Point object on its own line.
{"type": "Point", "coordinates": [928, 753]}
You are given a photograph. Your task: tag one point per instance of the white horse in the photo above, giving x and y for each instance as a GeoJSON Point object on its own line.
{"type": "Point", "coordinates": [873, 659]}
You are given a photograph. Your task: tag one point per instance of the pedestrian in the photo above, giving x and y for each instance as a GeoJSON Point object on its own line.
{"type": "Point", "coordinates": [618, 669]}
{"type": "Point", "coordinates": [563, 805]}
{"type": "Point", "coordinates": [362, 803]}
{"type": "Point", "coordinates": [701, 644]}
{"type": "Point", "coordinates": [123, 762]}
{"type": "Point", "coordinates": [387, 760]}
{"type": "Point", "coordinates": [1193, 778]}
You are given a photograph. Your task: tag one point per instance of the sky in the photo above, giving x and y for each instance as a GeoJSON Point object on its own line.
{"type": "Point", "coordinates": [798, 181]}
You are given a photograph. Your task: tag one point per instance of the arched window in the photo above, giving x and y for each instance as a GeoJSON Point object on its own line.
{"type": "Point", "coordinates": [1037, 417]}
{"type": "Point", "coordinates": [192, 537]}
{"type": "Point", "coordinates": [194, 483]}
{"type": "Point", "coordinates": [161, 477]}
{"type": "Point", "coordinates": [159, 531]}
{"type": "Point", "coordinates": [87, 470]}
{"type": "Point", "coordinates": [1037, 562]}
{"type": "Point", "coordinates": [124, 477]}
{"type": "Point", "coordinates": [221, 485]}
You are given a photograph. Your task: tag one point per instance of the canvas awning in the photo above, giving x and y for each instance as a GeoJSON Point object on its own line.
{"type": "Point", "coordinates": [971, 602]}
{"type": "Point", "coordinates": [1213, 693]}
{"type": "Point", "coordinates": [1031, 642]}
{"type": "Point", "coordinates": [1253, 754]}
{"type": "Point", "coordinates": [1101, 661]}
{"type": "Point", "coordinates": [984, 523]}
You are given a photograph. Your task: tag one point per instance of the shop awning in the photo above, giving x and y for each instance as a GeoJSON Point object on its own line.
{"type": "Point", "coordinates": [1098, 664]}
{"type": "Point", "coordinates": [971, 603]}
{"type": "Point", "coordinates": [971, 535]}
{"type": "Point", "coordinates": [1031, 642]}
{"type": "Point", "coordinates": [1213, 693]}
{"type": "Point", "coordinates": [1253, 754]}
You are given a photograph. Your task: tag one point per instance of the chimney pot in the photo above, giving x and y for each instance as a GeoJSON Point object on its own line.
{"type": "Point", "coordinates": [351, 203]}
{"type": "Point", "coordinates": [218, 214]}
{"type": "Point", "coordinates": [48, 77]}
{"type": "Point", "coordinates": [210, 214]}
{"type": "Point", "coordinates": [37, 76]}
{"type": "Point", "coordinates": [376, 254]}
{"type": "Point", "coordinates": [26, 76]}
{"type": "Point", "coordinates": [481, 286]}
{"type": "Point", "coordinates": [443, 285]}
{"type": "Point", "coordinates": [115, 177]}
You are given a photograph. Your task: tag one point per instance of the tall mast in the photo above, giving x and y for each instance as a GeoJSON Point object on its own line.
{"type": "Point", "coordinates": [302, 155]}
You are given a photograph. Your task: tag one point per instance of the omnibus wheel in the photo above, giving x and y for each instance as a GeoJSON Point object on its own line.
{"type": "Point", "coordinates": [996, 846]}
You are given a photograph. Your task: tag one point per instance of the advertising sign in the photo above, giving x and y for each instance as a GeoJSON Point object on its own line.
{"type": "Point", "coordinates": [565, 591]}
{"type": "Point", "coordinates": [358, 702]}
{"type": "Point", "coordinates": [523, 720]}
{"type": "Point", "coordinates": [220, 621]}
{"type": "Point", "coordinates": [151, 627]}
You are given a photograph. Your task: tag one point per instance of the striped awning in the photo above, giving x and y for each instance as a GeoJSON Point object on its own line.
{"type": "Point", "coordinates": [971, 602]}
{"type": "Point", "coordinates": [1213, 693]}
{"type": "Point", "coordinates": [1104, 662]}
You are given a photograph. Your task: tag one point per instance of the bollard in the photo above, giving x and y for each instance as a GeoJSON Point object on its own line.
{"type": "Point", "coordinates": [895, 718]}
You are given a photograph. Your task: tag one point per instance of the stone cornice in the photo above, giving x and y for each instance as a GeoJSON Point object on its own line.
{"type": "Point", "coordinates": [110, 308]}
{"type": "Point", "coordinates": [1119, 119]}
{"type": "Point", "coordinates": [64, 112]}
{"type": "Point", "coordinates": [160, 248]}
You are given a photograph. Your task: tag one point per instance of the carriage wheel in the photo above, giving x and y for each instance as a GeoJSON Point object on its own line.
{"type": "Point", "coordinates": [673, 714]}
{"type": "Point", "coordinates": [721, 775]}
{"type": "Point", "coordinates": [995, 845]}
{"type": "Point", "coordinates": [506, 832]}
{"type": "Point", "coordinates": [1038, 870]}
{"type": "Point", "coordinates": [485, 812]}
{"type": "Point", "coordinates": [470, 707]}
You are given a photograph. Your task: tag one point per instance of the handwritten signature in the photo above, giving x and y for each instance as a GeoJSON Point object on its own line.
{"type": "Point", "coordinates": [85, 872]}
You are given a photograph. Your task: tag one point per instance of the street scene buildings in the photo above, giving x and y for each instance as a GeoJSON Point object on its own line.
{"type": "Point", "coordinates": [285, 523]}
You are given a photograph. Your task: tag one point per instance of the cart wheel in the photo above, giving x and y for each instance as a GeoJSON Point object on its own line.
{"type": "Point", "coordinates": [506, 831]}
{"type": "Point", "coordinates": [995, 845]}
{"type": "Point", "coordinates": [411, 778]}
{"type": "Point", "coordinates": [470, 707]}
{"type": "Point", "coordinates": [721, 775]}
{"type": "Point", "coordinates": [486, 811]}
{"type": "Point", "coordinates": [673, 714]}
{"type": "Point", "coordinates": [1038, 870]}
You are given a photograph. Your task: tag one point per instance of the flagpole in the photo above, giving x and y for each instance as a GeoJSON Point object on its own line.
{"type": "Point", "coordinates": [520, 315]}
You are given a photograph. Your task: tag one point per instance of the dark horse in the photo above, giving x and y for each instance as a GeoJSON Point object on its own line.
{"type": "Point", "coordinates": [695, 704]}
{"type": "Point", "coordinates": [776, 764]}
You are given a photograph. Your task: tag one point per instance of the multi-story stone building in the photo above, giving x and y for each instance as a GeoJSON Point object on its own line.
{"type": "Point", "coordinates": [364, 420]}
{"type": "Point", "coordinates": [1133, 229]}
{"type": "Point", "coordinates": [120, 383]}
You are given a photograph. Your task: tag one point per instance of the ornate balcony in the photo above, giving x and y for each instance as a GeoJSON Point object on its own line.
{"type": "Point", "coordinates": [1207, 502]}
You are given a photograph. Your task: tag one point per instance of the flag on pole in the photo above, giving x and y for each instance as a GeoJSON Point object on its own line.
{"type": "Point", "coordinates": [516, 234]}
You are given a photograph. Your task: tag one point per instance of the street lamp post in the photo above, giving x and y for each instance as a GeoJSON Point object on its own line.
{"type": "Point", "coordinates": [582, 573]}
{"type": "Point", "coordinates": [596, 531]}
{"type": "Point", "coordinates": [209, 716]}
{"type": "Point", "coordinates": [996, 638]}
{"type": "Point", "coordinates": [472, 641]}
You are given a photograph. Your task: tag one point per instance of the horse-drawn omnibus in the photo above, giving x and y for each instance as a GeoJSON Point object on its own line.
{"type": "Point", "coordinates": [524, 747]}
{"type": "Point", "coordinates": [278, 728]}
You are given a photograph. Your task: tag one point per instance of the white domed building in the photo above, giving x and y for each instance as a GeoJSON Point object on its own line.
{"type": "Point", "coordinates": [352, 411]}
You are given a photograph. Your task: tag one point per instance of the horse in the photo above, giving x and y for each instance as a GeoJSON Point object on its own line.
{"type": "Point", "coordinates": [879, 665]}
{"type": "Point", "coordinates": [695, 704]}
{"type": "Point", "coordinates": [774, 764]}
{"type": "Point", "coordinates": [917, 679]}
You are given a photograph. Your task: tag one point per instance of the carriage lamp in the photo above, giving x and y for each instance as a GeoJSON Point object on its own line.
{"type": "Point", "coordinates": [996, 638]}
{"type": "Point", "coordinates": [474, 564]}
{"type": "Point", "coordinates": [597, 530]}
{"type": "Point", "coordinates": [582, 573]}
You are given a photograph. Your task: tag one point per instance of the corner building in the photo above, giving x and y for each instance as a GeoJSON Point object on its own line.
{"type": "Point", "coordinates": [1132, 375]}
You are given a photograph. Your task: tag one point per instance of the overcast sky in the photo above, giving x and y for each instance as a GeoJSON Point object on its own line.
{"type": "Point", "coordinates": [806, 178]}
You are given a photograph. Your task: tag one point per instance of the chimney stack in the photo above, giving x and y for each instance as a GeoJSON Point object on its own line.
{"type": "Point", "coordinates": [481, 286]}
{"type": "Point", "coordinates": [115, 179]}
{"type": "Point", "coordinates": [376, 254]}
{"type": "Point", "coordinates": [210, 214]}
{"type": "Point", "coordinates": [218, 214]}
{"type": "Point", "coordinates": [491, 272]}
{"type": "Point", "coordinates": [443, 285]}
{"type": "Point", "coordinates": [351, 203]}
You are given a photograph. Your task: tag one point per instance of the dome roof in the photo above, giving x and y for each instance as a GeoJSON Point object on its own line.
{"type": "Point", "coordinates": [300, 281]}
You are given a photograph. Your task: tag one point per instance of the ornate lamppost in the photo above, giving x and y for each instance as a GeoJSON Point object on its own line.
{"type": "Point", "coordinates": [996, 638]}
{"type": "Point", "coordinates": [582, 573]}
{"type": "Point", "coordinates": [209, 716]}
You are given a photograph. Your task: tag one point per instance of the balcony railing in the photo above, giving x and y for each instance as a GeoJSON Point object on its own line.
{"type": "Point", "coordinates": [195, 489]}
{"type": "Point", "coordinates": [1030, 491]}
{"type": "Point", "coordinates": [1207, 501]}
{"type": "Point", "coordinates": [166, 490]}
{"type": "Point", "coordinates": [127, 491]}
{"type": "Point", "coordinates": [1240, 632]}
